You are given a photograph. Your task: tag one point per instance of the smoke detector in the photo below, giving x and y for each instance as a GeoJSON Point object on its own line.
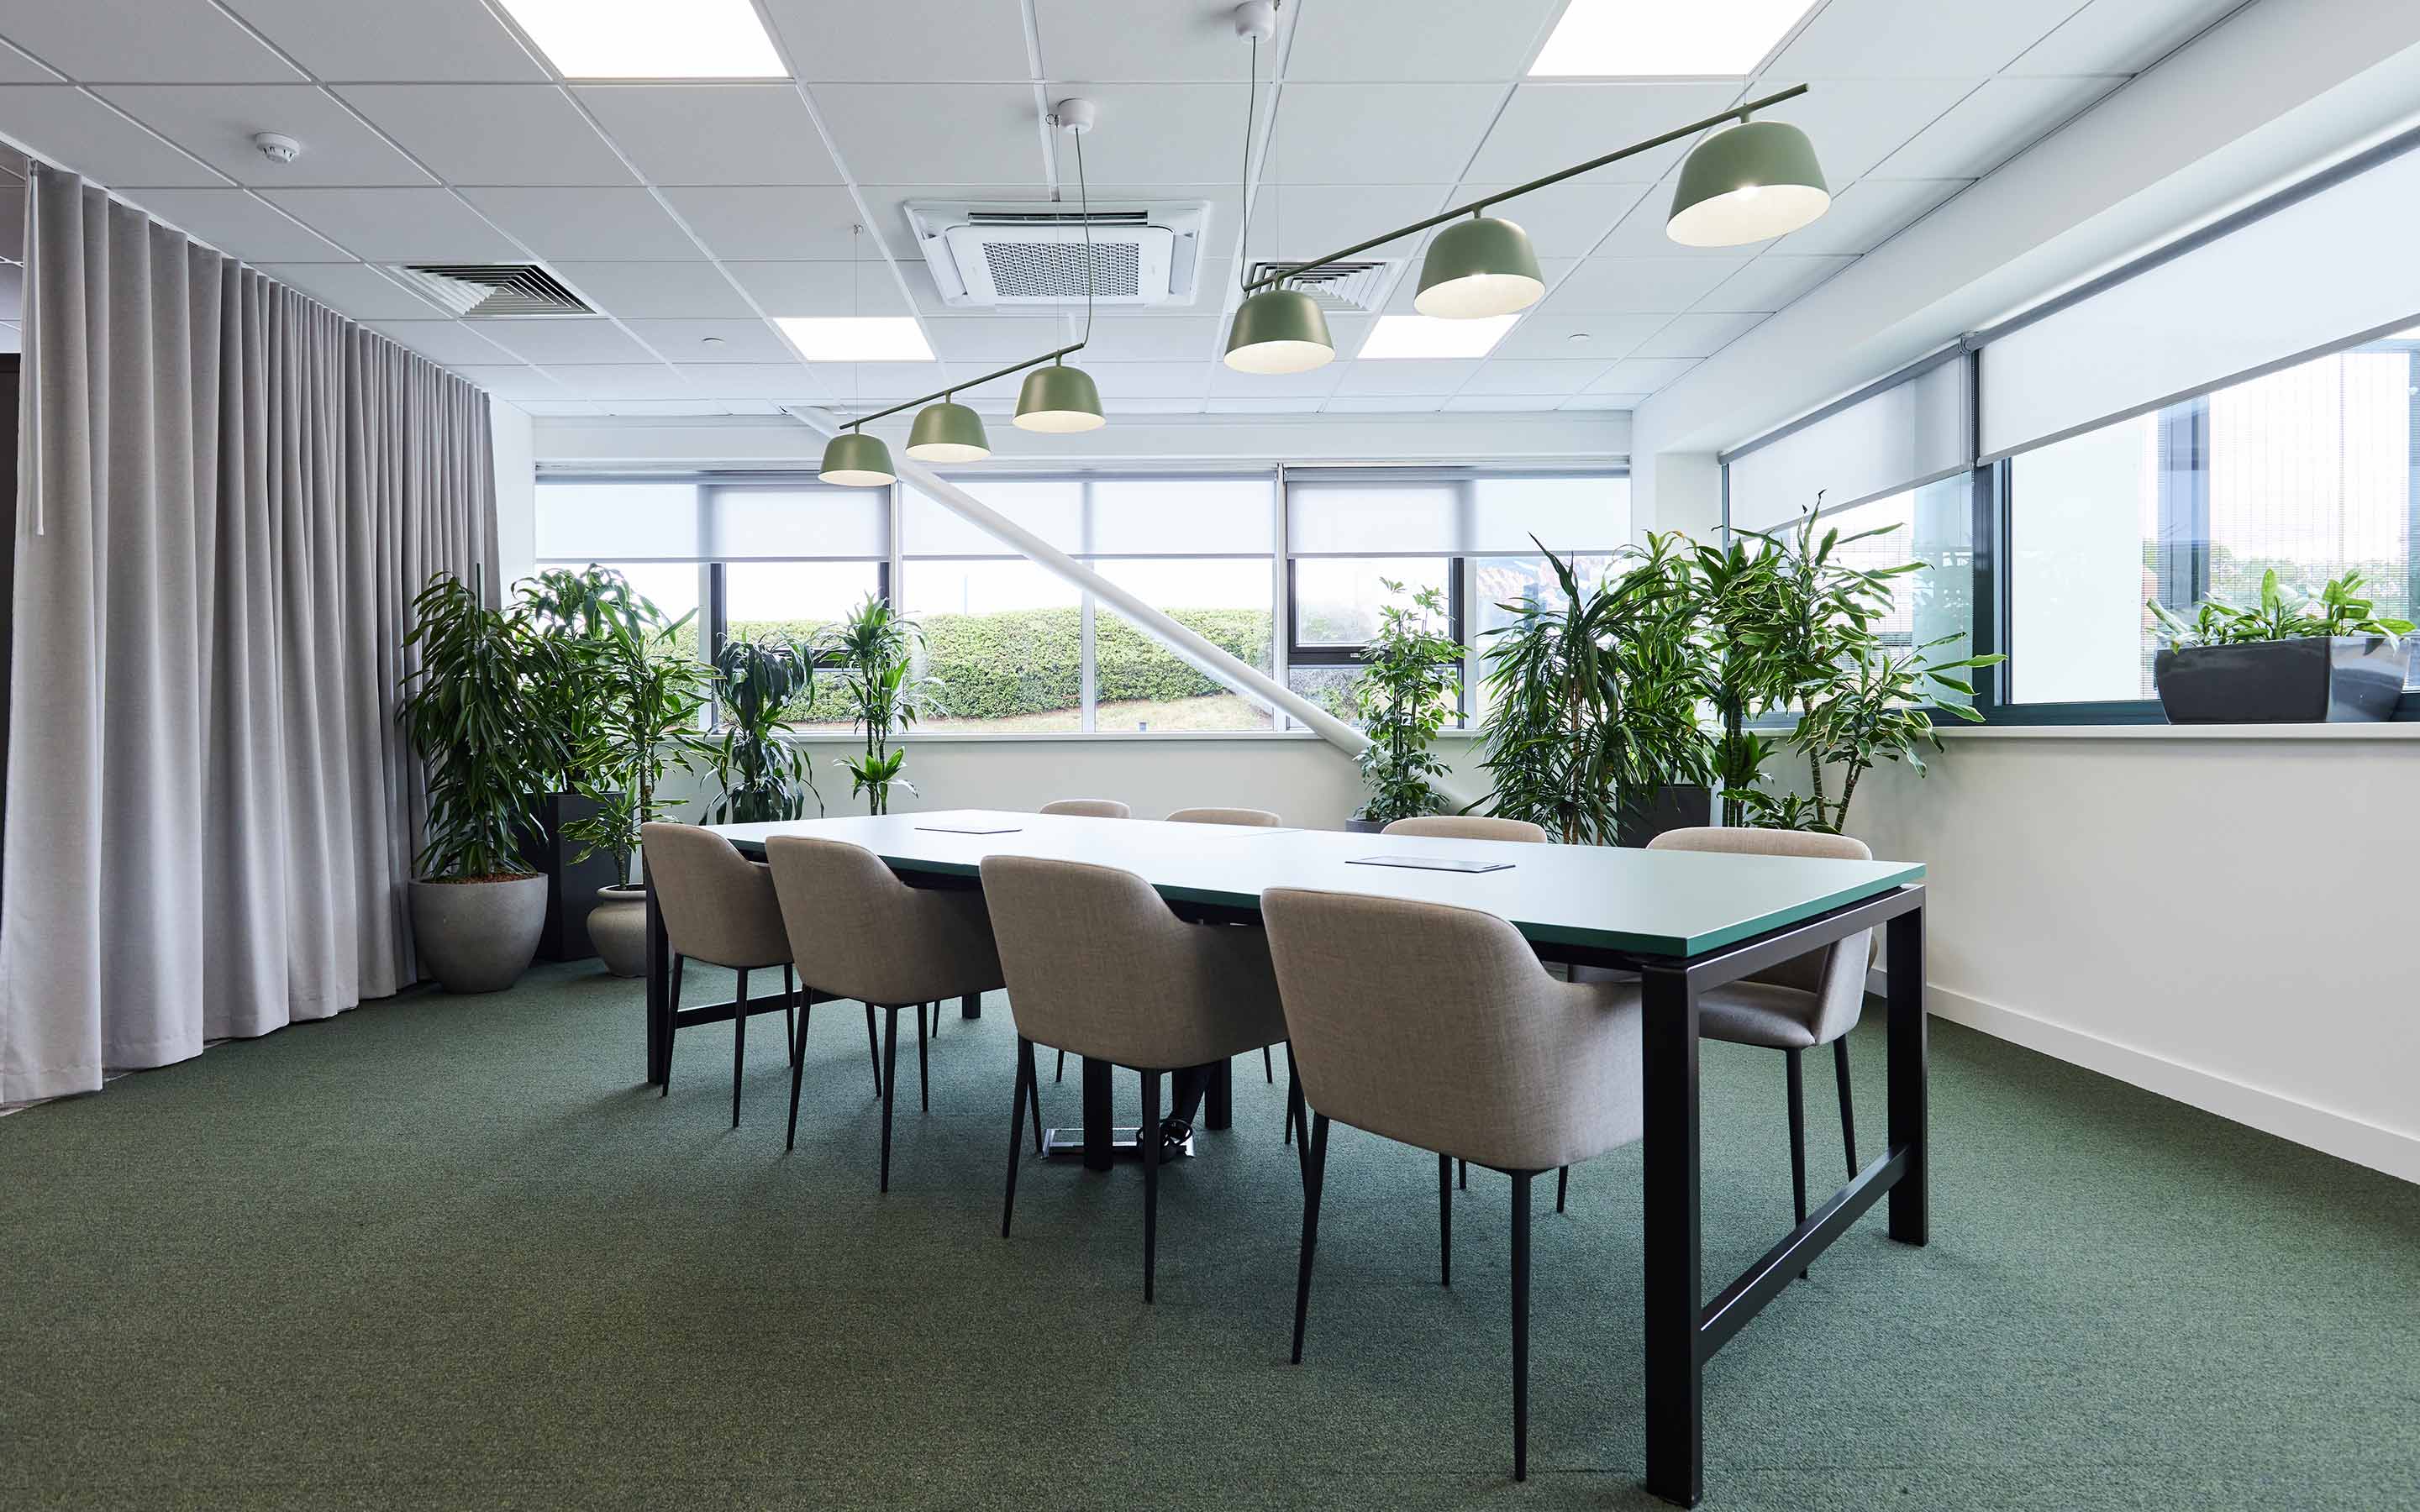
{"type": "Point", "coordinates": [276, 148]}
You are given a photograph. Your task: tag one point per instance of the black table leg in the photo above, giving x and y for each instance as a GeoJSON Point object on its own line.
{"type": "Point", "coordinates": [659, 997]}
{"type": "Point", "coordinates": [1219, 1098]}
{"type": "Point", "coordinates": [1675, 1403]}
{"type": "Point", "coordinates": [1903, 957]}
{"type": "Point", "coordinates": [1098, 1133]}
{"type": "Point", "coordinates": [970, 1006]}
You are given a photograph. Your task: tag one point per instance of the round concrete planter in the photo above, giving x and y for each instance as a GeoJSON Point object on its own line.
{"type": "Point", "coordinates": [1363, 826]}
{"type": "Point", "coordinates": [478, 936]}
{"type": "Point", "coordinates": [617, 926]}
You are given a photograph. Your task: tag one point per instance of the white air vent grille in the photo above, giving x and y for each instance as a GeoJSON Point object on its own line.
{"type": "Point", "coordinates": [1047, 270]}
{"type": "Point", "coordinates": [506, 289]}
{"type": "Point", "coordinates": [1033, 256]}
{"type": "Point", "coordinates": [1348, 286]}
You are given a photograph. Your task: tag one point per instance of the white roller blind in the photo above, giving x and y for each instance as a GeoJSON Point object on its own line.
{"type": "Point", "coordinates": [1373, 514]}
{"type": "Point", "coordinates": [1182, 517]}
{"type": "Point", "coordinates": [1052, 508]}
{"type": "Point", "coordinates": [1897, 439]}
{"type": "Point", "coordinates": [618, 523]}
{"type": "Point", "coordinates": [750, 523]}
{"type": "Point", "coordinates": [1566, 515]}
{"type": "Point", "coordinates": [2313, 275]}
{"type": "Point", "coordinates": [690, 521]}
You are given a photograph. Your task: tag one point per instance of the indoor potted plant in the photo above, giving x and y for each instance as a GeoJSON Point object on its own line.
{"type": "Point", "coordinates": [1405, 694]}
{"type": "Point", "coordinates": [874, 651]}
{"type": "Point", "coordinates": [477, 907]}
{"type": "Point", "coordinates": [762, 776]}
{"type": "Point", "coordinates": [573, 613]}
{"type": "Point", "coordinates": [2291, 658]}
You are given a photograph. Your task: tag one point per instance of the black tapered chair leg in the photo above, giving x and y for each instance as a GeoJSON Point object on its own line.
{"type": "Point", "coordinates": [1301, 1119]}
{"type": "Point", "coordinates": [1848, 1109]}
{"type": "Point", "coordinates": [890, 1080]}
{"type": "Point", "coordinates": [1444, 1219]}
{"type": "Point", "coordinates": [1061, 1074]}
{"type": "Point", "coordinates": [923, 1077]}
{"type": "Point", "coordinates": [671, 1027]}
{"type": "Point", "coordinates": [1148, 1137]}
{"type": "Point", "coordinates": [1269, 1066]}
{"type": "Point", "coordinates": [1033, 1080]}
{"type": "Point", "coordinates": [798, 1073]}
{"type": "Point", "coordinates": [790, 1010]}
{"type": "Point", "coordinates": [738, 1044]}
{"type": "Point", "coordinates": [874, 1052]}
{"type": "Point", "coordinates": [1562, 1185]}
{"type": "Point", "coordinates": [1521, 1324]}
{"type": "Point", "coordinates": [1462, 1181]}
{"type": "Point", "coordinates": [1294, 1098]}
{"type": "Point", "coordinates": [1017, 1126]}
{"type": "Point", "coordinates": [1797, 1137]}
{"type": "Point", "coordinates": [1314, 1176]}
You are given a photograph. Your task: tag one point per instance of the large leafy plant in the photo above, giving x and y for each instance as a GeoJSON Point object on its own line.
{"type": "Point", "coordinates": [652, 692]}
{"type": "Point", "coordinates": [762, 776]}
{"type": "Point", "coordinates": [468, 710]}
{"type": "Point", "coordinates": [1406, 694]}
{"type": "Point", "coordinates": [575, 614]}
{"type": "Point", "coordinates": [874, 652]}
{"type": "Point", "coordinates": [2285, 612]}
{"type": "Point", "coordinates": [1594, 695]}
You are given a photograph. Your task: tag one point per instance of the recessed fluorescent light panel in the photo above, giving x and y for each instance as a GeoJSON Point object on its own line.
{"type": "Point", "coordinates": [1647, 39]}
{"type": "Point", "coordinates": [855, 338]}
{"type": "Point", "coordinates": [650, 38]}
{"type": "Point", "coordinates": [1398, 336]}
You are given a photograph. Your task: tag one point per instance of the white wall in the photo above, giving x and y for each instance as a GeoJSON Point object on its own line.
{"type": "Point", "coordinates": [2224, 921]}
{"type": "Point", "coordinates": [509, 442]}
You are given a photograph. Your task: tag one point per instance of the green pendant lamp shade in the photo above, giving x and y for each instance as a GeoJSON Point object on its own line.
{"type": "Point", "coordinates": [1478, 268]}
{"type": "Point", "coordinates": [948, 432]}
{"type": "Point", "coordinates": [1060, 399]}
{"type": "Point", "coordinates": [857, 460]}
{"type": "Point", "coordinates": [1753, 182]}
{"type": "Point", "coordinates": [1279, 330]}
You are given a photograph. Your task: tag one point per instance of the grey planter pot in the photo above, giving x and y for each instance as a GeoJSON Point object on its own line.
{"type": "Point", "coordinates": [478, 936]}
{"type": "Point", "coordinates": [1363, 826]}
{"type": "Point", "coordinates": [2348, 679]}
{"type": "Point", "coordinates": [617, 925]}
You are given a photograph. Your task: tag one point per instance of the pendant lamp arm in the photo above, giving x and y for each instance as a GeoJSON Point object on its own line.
{"type": "Point", "coordinates": [1035, 361]}
{"type": "Point", "coordinates": [1474, 207]}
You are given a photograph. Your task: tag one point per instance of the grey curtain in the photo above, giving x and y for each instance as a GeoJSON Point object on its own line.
{"type": "Point", "coordinates": [227, 496]}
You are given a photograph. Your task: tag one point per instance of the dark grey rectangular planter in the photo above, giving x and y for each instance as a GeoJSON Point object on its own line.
{"type": "Point", "coordinates": [2350, 678]}
{"type": "Point", "coordinates": [571, 886]}
{"type": "Point", "coordinates": [1678, 806]}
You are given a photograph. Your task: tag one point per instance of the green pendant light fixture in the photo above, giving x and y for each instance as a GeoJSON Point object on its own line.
{"type": "Point", "coordinates": [1276, 328]}
{"type": "Point", "coordinates": [1059, 399]}
{"type": "Point", "coordinates": [1753, 182]}
{"type": "Point", "coordinates": [1478, 268]}
{"type": "Point", "coordinates": [856, 460]}
{"type": "Point", "coordinates": [948, 432]}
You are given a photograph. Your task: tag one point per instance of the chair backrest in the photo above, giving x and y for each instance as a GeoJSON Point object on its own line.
{"type": "Point", "coordinates": [718, 905]}
{"type": "Point", "coordinates": [1837, 973]}
{"type": "Point", "coordinates": [1098, 966]}
{"type": "Point", "coordinates": [857, 931]}
{"type": "Point", "coordinates": [1468, 826]}
{"type": "Point", "coordinates": [1438, 1027]}
{"type": "Point", "coordinates": [1255, 818]}
{"type": "Point", "coordinates": [1088, 808]}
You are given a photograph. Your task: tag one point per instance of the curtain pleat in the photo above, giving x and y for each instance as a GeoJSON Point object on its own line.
{"type": "Point", "coordinates": [229, 496]}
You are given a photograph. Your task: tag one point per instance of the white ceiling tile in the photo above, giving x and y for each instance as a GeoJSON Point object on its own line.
{"type": "Point", "coordinates": [1540, 333]}
{"type": "Point", "coordinates": [1641, 234]}
{"type": "Point", "coordinates": [1631, 285]}
{"type": "Point", "coordinates": [438, 40]}
{"type": "Point", "coordinates": [771, 224]}
{"type": "Point", "coordinates": [735, 341]}
{"type": "Point", "coordinates": [216, 122]}
{"type": "Point", "coordinates": [571, 222]}
{"type": "Point", "coordinates": [1225, 383]}
{"type": "Point", "coordinates": [1419, 375]}
{"type": "Point", "coordinates": [896, 133]}
{"type": "Point", "coordinates": [910, 40]}
{"type": "Point", "coordinates": [189, 41]}
{"type": "Point", "coordinates": [514, 382]}
{"type": "Point", "coordinates": [1138, 338]}
{"type": "Point", "coordinates": [77, 132]}
{"type": "Point", "coordinates": [1917, 39]}
{"type": "Point", "coordinates": [787, 288]}
{"type": "Point", "coordinates": [1698, 335]}
{"type": "Point", "coordinates": [1534, 375]}
{"type": "Point", "coordinates": [753, 380]}
{"type": "Point", "coordinates": [1856, 123]}
{"type": "Point", "coordinates": [1992, 124]}
{"type": "Point", "coordinates": [689, 407]}
{"type": "Point", "coordinates": [1565, 219]}
{"type": "Point", "coordinates": [714, 133]}
{"type": "Point", "coordinates": [637, 380]}
{"type": "Point", "coordinates": [491, 133]}
{"type": "Point", "coordinates": [1640, 375]}
{"type": "Point", "coordinates": [239, 225]}
{"type": "Point", "coordinates": [397, 225]}
{"type": "Point", "coordinates": [1105, 40]}
{"type": "Point", "coordinates": [979, 339]}
{"type": "Point", "coordinates": [668, 290]}
{"type": "Point", "coordinates": [16, 67]}
{"type": "Point", "coordinates": [1268, 404]}
{"type": "Point", "coordinates": [878, 381]}
{"type": "Point", "coordinates": [1418, 39]}
{"type": "Point", "coordinates": [2122, 36]}
{"type": "Point", "coordinates": [1868, 213]}
{"type": "Point", "coordinates": [449, 341]}
{"type": "Point", "coordinates": [1150, 380]}
{"type": "Point", "coordinates": [1504, 403]}
{"type": "Point", "coordinates": [1166, 133]}
{"type": "Point", "coordinates": [1384, 404]}
{"type": "Point", "coordinates": [554, 341]}
{"type": "Point", "coordinates": [1546, 127]}
{"type": "Point", "coordinates": [1605, 401]}
{"type": "Point", "coordinates": [1300, 221]}
{"type": "Point", "coordinates": [557, 407]}
{"type": "Point", "coordinates": [354, 290]}
{"type": "Point", "coordinates": [1770, 283]}
{"type": "Point", "coordinates": [1354, 134]}
{"type": "Point", "coordinates": [1141, 405]}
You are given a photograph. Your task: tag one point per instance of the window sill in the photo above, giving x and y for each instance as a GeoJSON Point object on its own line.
{"type": "Point", "coordinates": [2386, 730]}
{"type": "Point", "coordinates": [980, 737]}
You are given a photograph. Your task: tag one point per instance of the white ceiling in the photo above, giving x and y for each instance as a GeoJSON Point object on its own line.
{"type": "Point", "coordinates": [693, 212]}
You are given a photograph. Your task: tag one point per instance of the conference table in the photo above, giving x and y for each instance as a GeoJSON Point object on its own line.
{"type": "Point", "coordinates": [1685, 921]}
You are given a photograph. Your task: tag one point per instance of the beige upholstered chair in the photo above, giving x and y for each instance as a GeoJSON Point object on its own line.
{"type": "Point", "coordinates": [1097, 964]}
{"type": "Point", "coordinates": [1437, 1026]}
{"type": "Point", "coordinates": [1798, 1004]}
{"type": "Point", "coordinates": [1250, 817]}
{"type": "Point", "coordinates": [1468, 826]}
{"type": "Point", "coordinates": [857, 931]}
{"type": "Point", "coordinates": [718, 907]}
{"type": "Point", "coordinates": [1088, 808]}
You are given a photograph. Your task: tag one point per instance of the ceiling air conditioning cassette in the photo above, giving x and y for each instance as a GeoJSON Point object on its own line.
{"type": "Point", "coordinates": [1031, 255]}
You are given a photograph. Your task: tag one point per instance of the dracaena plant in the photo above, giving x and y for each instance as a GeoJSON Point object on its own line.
{"type": "Point", "coordinates": [874, 652]}
{"type": "Point", "coordinates": [763, 778]}
{"type": "Point", "coordinates": [1406, 694]}
{"type": "Point", "coordinates": [469, 710]}
{"type": "Point", "coordinates": [2285, 612]}
{"type": "Point", "coordinates": [652, 692]}
{"type": "Point", "coordinates": [576, 614]}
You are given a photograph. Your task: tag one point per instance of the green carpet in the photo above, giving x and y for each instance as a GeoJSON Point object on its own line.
{"type": "Point", "coordinates": [445, 1253]}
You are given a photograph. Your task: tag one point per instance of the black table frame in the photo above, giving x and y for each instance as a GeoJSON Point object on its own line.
{"type": "Point", "coordinates": [1683, 1330]}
